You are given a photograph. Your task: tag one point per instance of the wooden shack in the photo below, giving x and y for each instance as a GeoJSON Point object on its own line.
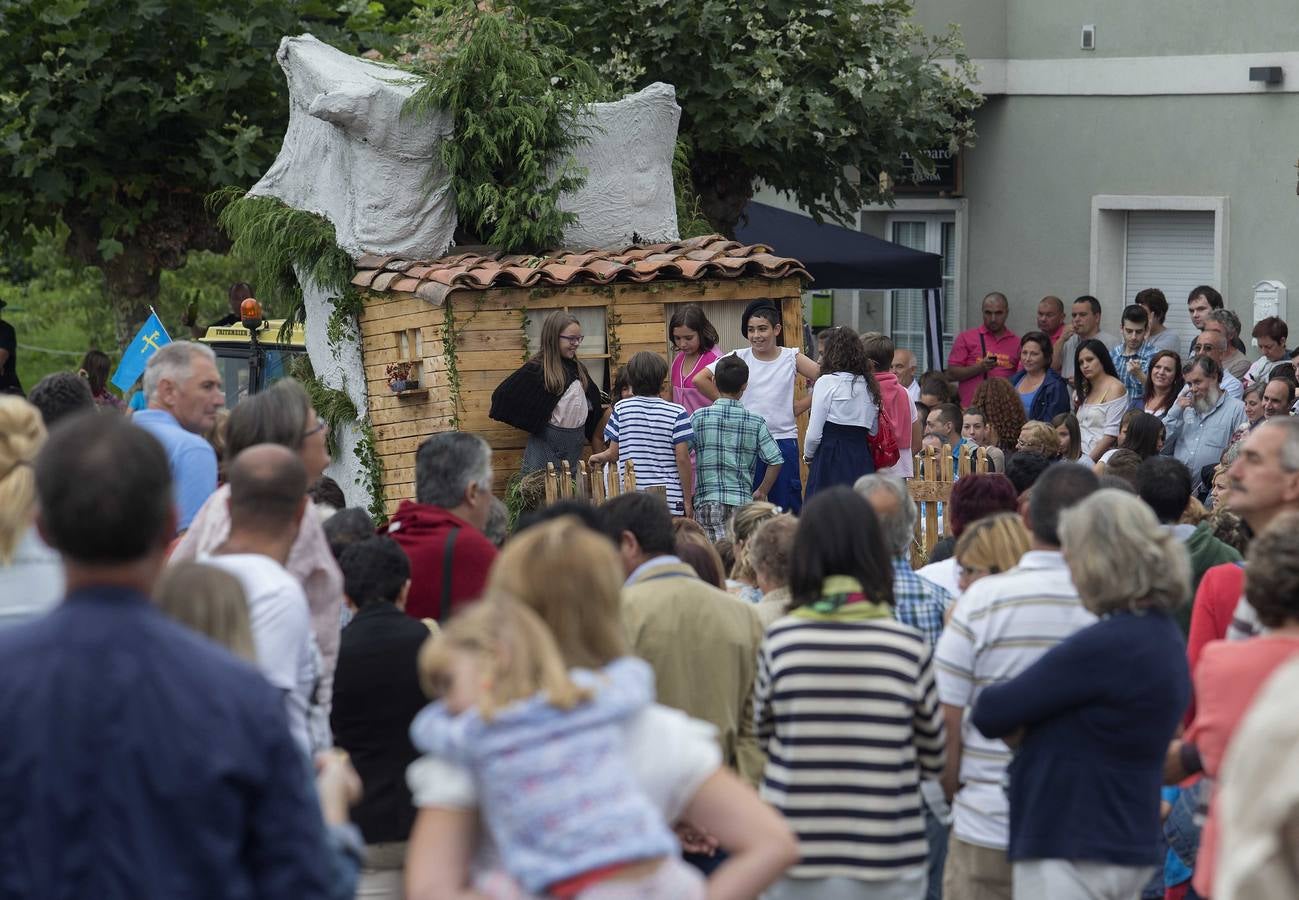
{"type": "Point", "coordinates": [464, 322]}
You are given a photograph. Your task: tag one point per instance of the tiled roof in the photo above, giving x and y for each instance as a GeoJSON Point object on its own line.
{"type": "Point", "coordinates": [712, 256]}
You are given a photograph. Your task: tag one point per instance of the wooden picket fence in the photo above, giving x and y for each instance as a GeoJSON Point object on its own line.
{"type": "Point", "coordinates": [932, 485]}
{"type": "Point", "coordinates": [594, 482]}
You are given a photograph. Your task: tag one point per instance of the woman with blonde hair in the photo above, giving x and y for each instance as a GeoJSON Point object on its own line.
{"type": "Point", "coordinates": [1094, 715]}
{"type": "Point", "coordinates": [989, 547]}
{"type": "Point", "coordinates": [553, 398]}
{"type": "Point", "coordinates": [743, 582]}
{"type": "Point", "coordinates": [210, 601]}
{"type": "Point", "coordinates": [572, 578]}
{"type": "Point", "coordinates": [1039, 437]}
{"type": "Point", "coordinates": [31, 574]}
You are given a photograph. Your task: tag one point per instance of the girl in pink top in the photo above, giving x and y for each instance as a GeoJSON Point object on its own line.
{"type": "Point", "coordinates": [696, 341]}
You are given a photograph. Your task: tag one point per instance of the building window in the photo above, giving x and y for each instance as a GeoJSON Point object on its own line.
{"type": "Point", "coordinates": [933, 233]}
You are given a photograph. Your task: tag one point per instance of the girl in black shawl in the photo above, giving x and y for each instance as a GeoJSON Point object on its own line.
{"type": "Point", "coordinates": [553, 398]}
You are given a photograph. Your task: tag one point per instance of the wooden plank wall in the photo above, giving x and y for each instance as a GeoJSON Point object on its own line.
{"type": "Point", "coordinates": [490, 344]}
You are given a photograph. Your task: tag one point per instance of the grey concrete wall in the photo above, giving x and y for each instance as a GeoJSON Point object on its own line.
{"type": "Point", "coordinates": [1039, 161]}
{"type": "Point", "coordinates": [983, 23]}
{"type": "Point", "coordinates": [1050, 29]}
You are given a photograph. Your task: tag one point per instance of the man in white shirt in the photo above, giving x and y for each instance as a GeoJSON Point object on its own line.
{"type": "Point", "coordinates": [904, 366]}
{"type": "Point", "coordinates": [1085, 318]}
{"type": "Point", "coordinates": [268, 491]}
{"type": "Point", "coordinates": [1001, 626]}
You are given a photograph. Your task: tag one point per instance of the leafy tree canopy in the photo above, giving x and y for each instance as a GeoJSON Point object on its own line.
{"type": "Point", "coordinates": [800, 95]}
{"type": "Point", "coordinates": [117, 117]}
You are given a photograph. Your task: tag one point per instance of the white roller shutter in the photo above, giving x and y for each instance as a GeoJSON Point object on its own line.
{"type": "Point", "coordinates": [1174, 252]}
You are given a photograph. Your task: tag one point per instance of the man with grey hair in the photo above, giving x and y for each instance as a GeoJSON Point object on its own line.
{"type": "Point", "coordinates": [183, 389]}
{"type": "Point", "coordinates": [1213, 343]}
{"type": "Point", "coordinates": [916, 601]}
{"type": "Point", "coordinates": [1200, 425]}
{"type": "Point", "coordinates": [1262, 484]}
{"type": "Point", "coordinates": [442, 529]}
{"type": "Point", "coordinates": [923, 605]}
{"type": "Point", "coordinates": [1227, 323]}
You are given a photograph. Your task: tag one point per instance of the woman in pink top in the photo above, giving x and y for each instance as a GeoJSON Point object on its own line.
{"type": "Point", "coordinates": [696, 341]}
{"type": "Point", "coordinates": [1230, 673]}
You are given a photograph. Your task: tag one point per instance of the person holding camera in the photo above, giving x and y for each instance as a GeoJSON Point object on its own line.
{"type": "Point", "coordinates": [989, 351]}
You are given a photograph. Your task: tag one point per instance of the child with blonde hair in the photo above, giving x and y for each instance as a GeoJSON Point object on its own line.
{"type": "Point", "coordinates": [545, 747]}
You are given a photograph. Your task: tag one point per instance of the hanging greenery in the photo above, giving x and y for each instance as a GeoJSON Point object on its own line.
{"type": "Point", "coordinates": [691, 221]}
{"type": "Point", "coordinates": [516, 97]}
{"type": "Point", "coordinates": [283, 241]}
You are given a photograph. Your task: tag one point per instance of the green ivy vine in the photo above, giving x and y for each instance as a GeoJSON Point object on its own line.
{"type": "Point", "coordinates": [453, 361]}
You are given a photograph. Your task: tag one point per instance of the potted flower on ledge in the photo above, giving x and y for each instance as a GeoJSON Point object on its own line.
{"type": "Point", "coordinates": [399, 377]}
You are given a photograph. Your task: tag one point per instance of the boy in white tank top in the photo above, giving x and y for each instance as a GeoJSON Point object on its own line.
{"type": "Point", "coordinates": [772, 372]}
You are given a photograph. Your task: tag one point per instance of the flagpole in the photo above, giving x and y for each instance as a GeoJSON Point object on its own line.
{"type": "Point", "coordinates": [160, 322]}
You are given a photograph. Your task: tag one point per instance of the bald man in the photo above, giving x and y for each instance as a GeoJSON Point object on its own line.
{"type": "Point", "coordinates": [904, 366]}
{"type": "Point", "coordinates": [268, 494]}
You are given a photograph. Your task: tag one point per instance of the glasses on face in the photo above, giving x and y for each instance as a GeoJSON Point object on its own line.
{"type": "Point", "coordinates": [320, 426]}
{"type": "Point", "coordinates": [573, 339]}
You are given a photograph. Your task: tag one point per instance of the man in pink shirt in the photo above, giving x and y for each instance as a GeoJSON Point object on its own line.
{"type": "Point", "coordinates": [989, 351]}
{"type": "Point", "coordinates": [893, 398]}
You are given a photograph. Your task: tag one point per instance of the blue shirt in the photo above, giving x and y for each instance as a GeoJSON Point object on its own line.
{"type": "Point", "coordinates": [192, 460]}
{"type": "Point", "coordinates": [1136, 384]}
{"type": "Point", "coordinates": [141, 760]}
{"type": "Point", "coordinates": [1197, 440]}
{"type": "Point", "coordinates": [557, 792]}
{"type": "Point", "coordinates": [918, 602]}
{"type": "Point", "coordinates": [1099, 708]}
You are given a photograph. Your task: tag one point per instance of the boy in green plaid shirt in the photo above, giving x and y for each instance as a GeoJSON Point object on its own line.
{"type": "Point", "coordinates": [728, 441]}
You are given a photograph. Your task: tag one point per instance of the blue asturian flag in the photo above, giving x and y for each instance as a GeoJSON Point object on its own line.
{"type": "Point", "coordinates": [146, 343]}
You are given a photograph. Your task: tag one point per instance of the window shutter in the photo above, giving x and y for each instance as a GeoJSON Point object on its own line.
{"type": "Point", "coordinates": [1172, 251]}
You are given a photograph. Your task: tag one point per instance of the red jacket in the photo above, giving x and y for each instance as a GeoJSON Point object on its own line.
{"type": "Point", "coordinates": [423, 532]}
{"type": "Point", "coordinates": [897, 402]}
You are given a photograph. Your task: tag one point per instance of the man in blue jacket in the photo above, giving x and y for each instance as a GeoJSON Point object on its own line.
{"type": "Point", "coordinates": [139, 759]}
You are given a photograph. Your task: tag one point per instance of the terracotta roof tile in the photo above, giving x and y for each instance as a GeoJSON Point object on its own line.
{"type": "Point", "coordinates": [481, 268]}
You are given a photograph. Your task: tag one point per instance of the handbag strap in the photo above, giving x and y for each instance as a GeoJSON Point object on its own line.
{"type": "Point", "coordinates": [448, 556]}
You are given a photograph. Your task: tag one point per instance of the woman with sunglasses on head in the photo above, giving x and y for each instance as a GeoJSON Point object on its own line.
{"type": "Point", "coordinates": [552, 397]}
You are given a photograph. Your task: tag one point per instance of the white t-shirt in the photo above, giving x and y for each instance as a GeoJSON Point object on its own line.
{"type": "Point", "coordinates": [281, 623]}
{"type": "Point", "coordinates": [770, 393]}
{"type": "Point", "coordinates": [671, 755]}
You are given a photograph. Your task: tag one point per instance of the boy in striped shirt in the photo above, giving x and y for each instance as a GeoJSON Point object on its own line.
{"type": "Point", "coordinates": [653, 433]}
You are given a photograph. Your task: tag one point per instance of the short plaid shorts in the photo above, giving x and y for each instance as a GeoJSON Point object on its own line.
{"type": "Point", "coordinates": [713, 517]}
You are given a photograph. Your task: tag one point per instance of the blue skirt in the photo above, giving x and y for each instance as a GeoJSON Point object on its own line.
{"type": "Point", "coordinates": [843, 457]}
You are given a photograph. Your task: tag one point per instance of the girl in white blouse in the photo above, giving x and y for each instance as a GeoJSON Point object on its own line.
{"type": "Point", "coordinates": [845, 411]}
{"type": "Point", "coordinates": [1101, 397]}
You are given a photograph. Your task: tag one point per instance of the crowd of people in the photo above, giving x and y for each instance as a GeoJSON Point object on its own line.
{"type": "Point", "coordinates": [218, 680]}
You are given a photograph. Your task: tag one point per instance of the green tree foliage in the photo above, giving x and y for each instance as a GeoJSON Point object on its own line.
{"type": "Point", "coordinates": [57, 306]}
{"type": "Point", "coordinates": [117, 117]}
{"type": "Point", "coordinates": [515, 95]}
{"type": "Point", "coordinates": [800, 95]}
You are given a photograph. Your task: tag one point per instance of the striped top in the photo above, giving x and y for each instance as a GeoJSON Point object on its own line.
{"type": "Point", "coordinates": [848, 712]}
{"type": "Point", "coordinates": [1002, 624]}
{"type": "Point", "coordinates": [647, 430]}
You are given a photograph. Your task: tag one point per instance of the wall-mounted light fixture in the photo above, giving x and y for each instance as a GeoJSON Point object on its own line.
{"type": "Point", "coordinates": [1266, 74]}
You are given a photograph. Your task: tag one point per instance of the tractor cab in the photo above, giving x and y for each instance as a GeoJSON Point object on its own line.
{"type": "Point", "coordinates": [251, 360]}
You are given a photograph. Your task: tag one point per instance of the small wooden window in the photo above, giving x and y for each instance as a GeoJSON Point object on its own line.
{"type": "Point", "coordinates": [410, 348]}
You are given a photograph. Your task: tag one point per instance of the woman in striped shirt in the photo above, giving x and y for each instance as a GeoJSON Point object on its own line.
{"type": "Point", "coordinates": [848, 712]}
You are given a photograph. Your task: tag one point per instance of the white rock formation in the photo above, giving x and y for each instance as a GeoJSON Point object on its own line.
{"type": "Point", "coordinates": [628, 162]}
{"type": "Point", "coordinates": [340, 367]}
{"type": "Point", "coordinates": [350, 156]}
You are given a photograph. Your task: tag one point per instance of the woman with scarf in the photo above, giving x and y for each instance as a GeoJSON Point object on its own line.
{"type": "Point", "coordinates": [848, 713]}
{"type": "Point", "coordinates": [553, 398]}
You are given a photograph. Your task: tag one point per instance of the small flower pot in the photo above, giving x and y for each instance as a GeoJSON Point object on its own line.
{"type": "Point", "coordinates": [399, 385]}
